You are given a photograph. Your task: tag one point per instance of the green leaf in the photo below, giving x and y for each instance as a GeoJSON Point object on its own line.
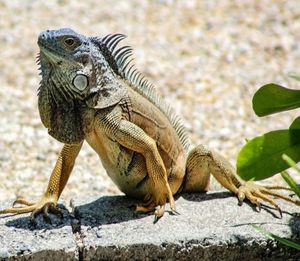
{"type": "Point", "coordinates": [289, 180]}
{"type": "Point", "coordinates": [295, 124]}
{"type": "Point", "coordinates": [294, 130]}
{"type": "Point", "coordinates": [272, 98]}
{"type": "Point", "coordinates": [294, 75]}
{"type": "Point", "coordinates": [291, 163]}
{"type": "Point", "coordinates": [278, 238]}
{"type": "Point", "coordinates": [261, 157]}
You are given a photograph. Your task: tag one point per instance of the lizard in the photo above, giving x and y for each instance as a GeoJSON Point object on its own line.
{"type": "Point", "coordinates": [92, 91]}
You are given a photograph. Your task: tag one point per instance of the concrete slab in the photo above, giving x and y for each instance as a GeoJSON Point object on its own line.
{"type": "Point", "coordinates": [22, 240]}
{"type": "Point", "coordinates": [210, 227]}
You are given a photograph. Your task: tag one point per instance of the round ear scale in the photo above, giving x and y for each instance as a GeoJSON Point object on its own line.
{"type": "Point", "coordinates": [80, 81]}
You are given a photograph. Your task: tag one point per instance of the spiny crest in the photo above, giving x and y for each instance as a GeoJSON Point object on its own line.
{"type": "Point", "coordinates": [121, 61]}
{"type": "Point", "coordinates": [38, 62]}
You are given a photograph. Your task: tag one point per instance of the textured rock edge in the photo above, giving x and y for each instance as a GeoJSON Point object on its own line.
{"type": "Point", "coordinates": [85, 225]}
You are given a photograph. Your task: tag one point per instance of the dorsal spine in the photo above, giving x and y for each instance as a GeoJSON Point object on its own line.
{"type": "Point", "coordinates": [121, 61]}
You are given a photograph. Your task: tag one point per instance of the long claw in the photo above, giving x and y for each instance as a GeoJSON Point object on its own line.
{"type": "Point", "coordinates": [159, 213]}
{"type": "Point", "coordinates": [258, 207]}
{"type": "Point", "coordinates": [34, 214]}
{"type": "Point", "coordinates": [155, 219]}
{"type": "Point", "coordinates": [174, 212]}
{"type": "Point", "coordinates": [173, 209]}
{"type": "Point", "coordinates": [253, 200]}
{"type": "Point", "coordinates": [271, 201]}
{"type": "Point", "coordinates": [46, 213]}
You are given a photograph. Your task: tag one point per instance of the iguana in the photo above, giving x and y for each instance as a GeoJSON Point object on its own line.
{"type": "Point", "coordinates": [91, 90]}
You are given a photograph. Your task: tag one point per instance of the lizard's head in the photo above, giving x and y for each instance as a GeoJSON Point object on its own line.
{"type": "Point", "coordinates": [78, 72]}
{"type": "Point", "coordinates": [65, 57]}
{"type": "Point", "coordinates": [73, 66]}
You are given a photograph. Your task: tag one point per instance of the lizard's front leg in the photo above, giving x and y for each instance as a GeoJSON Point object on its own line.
{"type": "Point", "coordinates": [202, 162]}
{"type": "Point", "coordinates": [57, 182]}
{"type": "Point", "coordinates": [134, 138]}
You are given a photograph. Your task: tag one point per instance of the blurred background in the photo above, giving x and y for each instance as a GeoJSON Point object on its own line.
{"type": "Point", "coordinates": [206, 58]}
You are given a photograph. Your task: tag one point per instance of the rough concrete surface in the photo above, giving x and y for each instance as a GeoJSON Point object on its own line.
{"type": "Point", "coordinates": [210, 227]}
{"type": "Point", "coordinates": [21, 239]}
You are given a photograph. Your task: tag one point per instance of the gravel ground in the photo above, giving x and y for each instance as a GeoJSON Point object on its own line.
{"type": "Point", "coordinates": [207, 58]}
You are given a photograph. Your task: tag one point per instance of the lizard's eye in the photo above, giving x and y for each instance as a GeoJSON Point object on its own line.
{"type": "Point", "coordinates": [69, 41]}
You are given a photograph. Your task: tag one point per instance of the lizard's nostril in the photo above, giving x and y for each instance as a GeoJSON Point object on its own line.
{"type": "Point", "coordinates": [42, 37]}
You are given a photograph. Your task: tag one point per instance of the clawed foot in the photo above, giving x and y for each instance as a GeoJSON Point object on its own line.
{"type": "Point", "coordinates": [254, 192]}
{"type": "Point", "coordinates": [45, 206]}
{"type": "Point", "coordinates": [157, 205]}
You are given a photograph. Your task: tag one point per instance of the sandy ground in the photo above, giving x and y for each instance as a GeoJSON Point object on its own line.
{"type": "Point", "coordinates": [206, 58]}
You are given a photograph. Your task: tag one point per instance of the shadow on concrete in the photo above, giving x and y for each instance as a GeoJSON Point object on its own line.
{"type": "Point", "coordinates": [39, 223]}
{"type": "Point", "coordinates": [117, 209]}
{"type": "Point", "coordinates": [107, 210]}
{"type": "Point", "coordinates": [294, 224]}
{"type": "Point", "coordinates": [199, 197]}
{"type": "Point", "coordinates": [203, 196]}
{"type": "Point", "coordinates": [102, 211]}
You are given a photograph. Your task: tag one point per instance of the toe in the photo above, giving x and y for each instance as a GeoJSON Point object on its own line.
{"type": "Point", "coordinates": [22, 201]}
{"type": "Point", "coordinates": [159, 213]}
{"type": "Point", "coordinates": [17, 210]}
{"type": "Point", "coordinates": [46, 213]}
{"type": "Point", "coordinates": [34, 213]}
{"type": "Point", "coordinates": [278, 187]}
{"type": "Point", "coordinates": [253, 200]}
{"type": "Point", "coordinates": [279, 195]}
{"type": "Point", "coordinates": [241, 195]}
{"type": "Point", "coordinates": [172, 204]}
{"type": "Point", "coordinates": [269, 200]}
{"type": "Point", "coordinates": [56, 210]}
{"type": "Point", "coordinates": [145, 209]}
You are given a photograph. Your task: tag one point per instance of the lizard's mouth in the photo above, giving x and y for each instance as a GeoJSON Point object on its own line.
{"type": "Point", "coordinates": [50, 54]}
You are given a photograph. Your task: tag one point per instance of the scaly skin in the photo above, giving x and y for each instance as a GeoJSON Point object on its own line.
{"type": "Point", "coordinates": [87, 93]}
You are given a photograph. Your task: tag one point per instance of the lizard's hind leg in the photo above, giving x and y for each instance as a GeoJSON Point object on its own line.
{"type": "Point", "coordinates": [197, 176]}
{"type": "Point", "coordinates": [202, 162]}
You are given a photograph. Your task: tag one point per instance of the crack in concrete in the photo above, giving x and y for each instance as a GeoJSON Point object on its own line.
{"type": "Point", "coordinates": [76, 230]}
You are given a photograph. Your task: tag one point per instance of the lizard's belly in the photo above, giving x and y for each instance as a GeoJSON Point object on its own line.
{"type": "Point", "coordinates": [126, 168]}
{"type": "Point", "coordinates": [131, 177]}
